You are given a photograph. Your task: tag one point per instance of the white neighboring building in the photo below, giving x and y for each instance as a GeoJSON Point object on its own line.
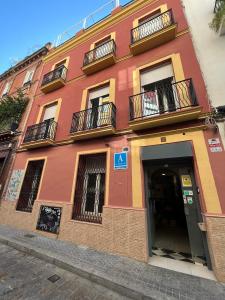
{"type": "Point", "coordinates": [210, 51]}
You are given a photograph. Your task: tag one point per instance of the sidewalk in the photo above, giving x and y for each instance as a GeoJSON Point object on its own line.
{"type": "Point", "coordinates": [128, 277]}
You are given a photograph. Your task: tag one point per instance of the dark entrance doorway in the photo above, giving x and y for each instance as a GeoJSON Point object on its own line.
{"type": "Point", "coordinates": [171, 232]}
{"type": "Point", "coordinates": [173, 211]}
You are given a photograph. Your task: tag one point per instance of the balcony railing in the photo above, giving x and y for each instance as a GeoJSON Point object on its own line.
{"type": "Point", "coordinates": [152, 26]}
{"type": "Point", "coordinates": [218, 5]}
{"type": "Point", "coordinates": [99, 52]}
{"type": "Point", "coordinates": [42, 131]}
{"type": "Point", "coordinates": [164, 98]}
{"type": "Point", "coordinates": [58, 73]}
{"type": "Point", "coordinates": [93, 118]}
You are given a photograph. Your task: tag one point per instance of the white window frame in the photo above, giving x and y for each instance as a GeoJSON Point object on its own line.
{"type": "Point", "coordinates": [28, 77]}
{"type": "Point", "coordinates": [7, 87]}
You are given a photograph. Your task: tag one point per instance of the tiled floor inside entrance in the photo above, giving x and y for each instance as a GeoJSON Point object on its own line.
{"type": "Point", "coordinates": [181, 256]}
{"type": "Point", "coordinates": [182, 266]}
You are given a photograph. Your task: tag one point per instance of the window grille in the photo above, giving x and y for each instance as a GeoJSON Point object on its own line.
{"type": "Point", "coordinates": [30, 186]}
{"type": "Point", "coordinates": [90, 188]}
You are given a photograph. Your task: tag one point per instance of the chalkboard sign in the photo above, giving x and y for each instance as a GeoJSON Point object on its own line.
{"type": "Point", "coordinates": [49, 219]}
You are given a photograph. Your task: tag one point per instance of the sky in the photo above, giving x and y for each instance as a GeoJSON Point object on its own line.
{"type": "Point", "coordinates": [26, 25]}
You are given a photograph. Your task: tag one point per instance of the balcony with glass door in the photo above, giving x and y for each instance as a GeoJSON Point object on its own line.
{"type": "Point", "coordinates": [94, 122]}
{"type": "Point", "coordinates": [101, 57]}
{"type": "Point", "coordinates": [54, 79]}
{"type": "Point", "coordinates": [164, 102]}
{"type": "Point", "coordinates": [153, 32]}
{"type": "Point", "coordinates": [40, 135]}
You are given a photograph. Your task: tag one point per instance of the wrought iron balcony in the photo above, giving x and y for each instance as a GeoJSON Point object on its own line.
{"type": "Point", "coordinates": [169, 102]}
{"type": "Point", "coordinates": [218, 5]}
{"type": "Point", "coordinates": [42, 134]}
{"type": "Point", "coordinates": [153, 32]}
{"type": "Point", "coordinates": [100, 57]}
{"type": "Point", "coordinates": [54, 79]}
{"type": "Point", "coordinates": [97, 121]}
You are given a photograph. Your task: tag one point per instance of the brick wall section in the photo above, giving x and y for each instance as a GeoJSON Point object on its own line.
{"type": "Point", "coordinates": [123, 231]}
{"type": "Point", "coordinates": [216, 241]}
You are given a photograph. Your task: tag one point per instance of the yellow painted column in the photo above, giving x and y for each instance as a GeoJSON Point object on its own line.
{"type": "Point", "coordinates": [208, 185]}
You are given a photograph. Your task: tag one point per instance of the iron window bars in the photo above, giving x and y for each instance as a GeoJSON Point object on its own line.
{"type": "Point", "coordinates": [96, 117]}
{"type": "Point", "coordinates": [152, 26]}
{"type": "Point", "coordinates": [57, 73]}
{"type": "Point", "coordinates": [42, 131]}
{"type": "Point", "coordinates": [163, 97]}
{"type": "Point", "coordinates": [30, 186]}
{"type": "Point", "coordinates": [90, 188]}
{"type": "Point", "coordinates": [109, 47]}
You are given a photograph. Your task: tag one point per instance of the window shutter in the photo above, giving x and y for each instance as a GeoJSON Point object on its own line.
{"type": "Point", "coordinates": [6, 88]}
{"type": "Point", "coordinates": [49, 112]}
{"type": "Point", "coordinates": [156, 74]}
{"type": "Point", "coordinates": [100, 92]}
{"type": "Point", "coordinates": [28, 76]}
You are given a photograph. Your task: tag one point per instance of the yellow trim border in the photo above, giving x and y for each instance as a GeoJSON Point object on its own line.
{"type": "Point", "coordinates": [112, 37]}
{"type": "Point", "coordinates": [58, 103]}
{"type": "Point", "coordinates": [201, 157]}
{"type": "Point", "coordinates": [176, 64]}
{"type": "Point", "coordinates": [96, 151]}
{"type": "Point", "coordinates": [67, 59]}
{"type": "Point", "coordinates": [112, 92]}
{"type": "Point", "coordinates": [163, 8]}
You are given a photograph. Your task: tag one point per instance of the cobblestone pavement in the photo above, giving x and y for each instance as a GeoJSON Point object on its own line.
{"type": "Point", "coordinates": [120, 274]}
{"type": "Point", "coordinates": [25, 277]}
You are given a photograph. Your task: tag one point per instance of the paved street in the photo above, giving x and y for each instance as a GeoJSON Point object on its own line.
{"type": "Point", "coordinates": [26, 277]}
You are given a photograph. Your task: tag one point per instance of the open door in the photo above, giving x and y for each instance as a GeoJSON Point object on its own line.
{"type": "Point", "coordinates": [173, 212]}
{"type": "Point", "coordinates": [193, 215]}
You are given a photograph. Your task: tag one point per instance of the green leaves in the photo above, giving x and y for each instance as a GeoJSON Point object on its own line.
{"type": "Point", "coordinates": [219, 15]}
{"type": "Point", "coordinates": [11, 110]}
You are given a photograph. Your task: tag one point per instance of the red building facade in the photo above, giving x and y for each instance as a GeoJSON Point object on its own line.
{"type": "Point", "coordinates": [114, 156]}
{"type": "Point", "coordinates": [24, 76]}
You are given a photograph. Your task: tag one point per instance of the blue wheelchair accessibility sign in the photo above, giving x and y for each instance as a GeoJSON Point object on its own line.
{"type": "Point", "coordinates": [120, 161]}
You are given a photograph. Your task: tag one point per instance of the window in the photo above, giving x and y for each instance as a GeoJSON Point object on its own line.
{"type": "Point", "coordinates": [157, 90]}
{"type": "Point", "coordinates": [90, 188]}
{"type": "Point", "coordinates": [60, 64]}
{"type": "Point", "coordinates": [49, 112]}
{"type": "Point", "coordinates": [150, 24]}
{"type": "Point", "coordinates": [6, 88]}
{"type": "Point", "coordinates": [97, 100]}
{"type": "Point", "coordinates": [30, 186]}
{"type": "Point", "coordinates": [47, 118]}
{"type": "Point", "coordinates": [103, 48]}
{"type": "Point", "coordinates": [28, 77]}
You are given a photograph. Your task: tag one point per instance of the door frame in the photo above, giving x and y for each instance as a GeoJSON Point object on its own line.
{"type": "Point", "coordinates": [153, 165]}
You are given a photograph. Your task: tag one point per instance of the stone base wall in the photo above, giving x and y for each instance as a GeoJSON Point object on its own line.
{"type": "Point", "coordinates": [216, 241]}
{"type": "Point", "coordinates": [123, 230]}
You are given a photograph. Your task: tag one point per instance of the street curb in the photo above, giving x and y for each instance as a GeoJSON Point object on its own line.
{"type": "Point", "coordinates": [47, 257]}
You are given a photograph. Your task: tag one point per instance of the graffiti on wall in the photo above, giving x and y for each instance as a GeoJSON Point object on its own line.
{"type": "Point", "coordinates": [49, 219]}
{"type": "Point", "coordinates": [12, 193]}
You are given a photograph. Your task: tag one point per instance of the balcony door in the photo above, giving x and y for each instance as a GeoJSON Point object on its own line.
{"type": "Point", "coordinates": [97, 113]}
{"type": "Point", "coordinates": [47, 117]}
{"type": "Point", "coordinates": [150, 24]}
{"type": "Point", "coordinates": [102, 48]}
{"type": "Point", "coordinates": [60, 70]}
{"type": "Point", "coordinates": [157, 91]}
